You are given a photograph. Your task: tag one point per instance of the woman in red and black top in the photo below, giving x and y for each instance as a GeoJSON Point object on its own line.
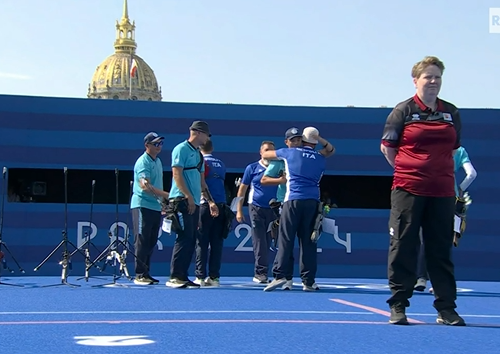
{"type": "Point", "coordinates": [420, 137]}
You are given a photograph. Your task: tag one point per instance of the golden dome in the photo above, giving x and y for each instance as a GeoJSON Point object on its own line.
{"type": "Point", "coordinates": [113, 78]}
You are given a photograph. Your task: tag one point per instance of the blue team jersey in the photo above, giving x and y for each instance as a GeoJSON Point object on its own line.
{"type": "Point", "coordinates": [215, 174]}
{"type": "Point", "coordinates": [460, 158]}
{"type": "Point", "coordinates": [259, 195]}
{"type": "Point", "coordinates": [186, 156]}
{"type": "Point", "coordinates": [304, 168]}
{"type": "Point", "coordinates": [274, 170]}
{"type": "Point", "coordinates": [146, 167]}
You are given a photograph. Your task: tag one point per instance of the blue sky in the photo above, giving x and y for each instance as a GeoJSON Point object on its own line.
{"type": "Point", "coordinates": [284, 52]}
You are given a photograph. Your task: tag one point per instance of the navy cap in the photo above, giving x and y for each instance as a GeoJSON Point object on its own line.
{"type": "Point", "coordinates": [292, 133]}
{"type": "Point", "coordinates": [200, 126]}
{"type": "Point", "coordinates": [152, 137]}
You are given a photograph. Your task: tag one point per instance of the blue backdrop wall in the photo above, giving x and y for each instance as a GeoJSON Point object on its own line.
{"type": "Point", "coordinates": [40, 132]}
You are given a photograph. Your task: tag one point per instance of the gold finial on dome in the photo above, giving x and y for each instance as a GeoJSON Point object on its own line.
{"type": "Point", "coordinates": [125, 10]}
{"type": "Point", "coordinates": [125, 33]}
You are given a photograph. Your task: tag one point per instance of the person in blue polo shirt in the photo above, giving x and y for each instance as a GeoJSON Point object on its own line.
{"type": "Point", "coordinates": [304, 169]}
{"type": "Point", "coordinates": [275, 175]}
{"type": "Point", "coordinates": [462, 161]}
{"type": "Point", "coordinates": [188, 185]}
{"type": "Point", "coordinates": [147, 191]}
{"type": "Point", "coordinates": [261, 214]}
{"type": "Point", "coordinates": [211, 231]}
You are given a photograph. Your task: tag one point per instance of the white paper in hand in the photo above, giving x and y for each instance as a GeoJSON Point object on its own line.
{"type": "Point", "coordinates": [167, 225]}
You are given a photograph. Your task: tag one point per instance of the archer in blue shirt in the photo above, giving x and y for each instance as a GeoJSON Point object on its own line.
{"type": "Point", "coordinates": [259, 210]}
{"type": "Point", "coordinates": [188, 186]}
{"type": "Point", "coordinates": [304, 167]}
{"type": "Point", "coordinates": [212, 229]}
{"type": "Point", "coordinates": [146, 207]}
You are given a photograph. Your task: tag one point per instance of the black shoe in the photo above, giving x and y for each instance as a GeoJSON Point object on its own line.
{"type": "Point", "coordinates": [398, 315]}
{"type": "Point", "coordinates": [191, 285]}
{"type": "Point", "coordinates": [450, 318]}
{"type": "Point", "coordinates": [153, 280]}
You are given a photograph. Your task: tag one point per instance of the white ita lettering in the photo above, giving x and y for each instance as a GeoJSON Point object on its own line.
{"type": "Point", "coordinates": [216, 164]}
{"type": "Point", "coordinates": [113, 341]}
{"type": "Point", "coordinates": [308, 155]}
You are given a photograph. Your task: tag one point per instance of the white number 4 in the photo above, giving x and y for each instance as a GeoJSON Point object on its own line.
{"type": "Point", "coordinates": [113, 341]}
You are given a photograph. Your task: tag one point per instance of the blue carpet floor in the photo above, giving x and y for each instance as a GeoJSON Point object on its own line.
{"type": "Point", "coordinates": [345, 316]}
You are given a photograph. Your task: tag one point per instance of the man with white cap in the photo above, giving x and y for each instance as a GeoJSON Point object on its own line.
{"type": "Point", "coordinates": [145, 205]}
{"type": "Point", "coordinates": [304, 167]}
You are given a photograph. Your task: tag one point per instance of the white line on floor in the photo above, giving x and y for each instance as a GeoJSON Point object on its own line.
{"type": "Point", "coordinates": [222, 311]}
{"type": "Point", "coordinates": [435, 314]}
{"type": "Point", "coordinates": [178, 312]}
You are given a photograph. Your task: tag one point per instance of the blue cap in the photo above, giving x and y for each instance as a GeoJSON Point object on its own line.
{"type": "Point", "coordinates": [152, 137]}
{"type": "Point", "coordinates": [292, 133]}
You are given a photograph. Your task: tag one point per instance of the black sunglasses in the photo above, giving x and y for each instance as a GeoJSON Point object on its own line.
{"type": "Point", "coordinates": [157, 144]}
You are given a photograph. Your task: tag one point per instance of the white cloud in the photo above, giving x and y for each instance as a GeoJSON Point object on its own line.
{"type": "Point", "coordinates": [14, 76]}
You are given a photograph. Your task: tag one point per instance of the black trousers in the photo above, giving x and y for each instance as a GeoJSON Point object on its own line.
{"type": "Point", "coordinates": [435, 215]}
{"type": "Point", "coordinates": [261, 239]}
{"type": "Point", "coordinates": [297, 219]}
{"type": "Point", "coordinates": [184, 246]}
{"type": "Point", "coordinates": [146, 229]}
{"type": "Point", "coordinates": [210, 233]}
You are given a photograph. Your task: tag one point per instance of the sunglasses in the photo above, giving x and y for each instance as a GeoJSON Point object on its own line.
{"type": "Point", "coordinates": [157, 144]}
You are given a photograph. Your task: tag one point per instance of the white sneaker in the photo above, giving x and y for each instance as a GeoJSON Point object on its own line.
{"type": "Point", "coordinates": [176, 283]}
{"type": "Point", "coordinates": [313, 287]}
{"type": "Point", "coordinates": [142, 281]}
{"type": "Point", "coordinates": [212, 282]}
{"type": "Point", "coordinates": [181, 284]}
{"type": "Point", "coordinates": [199, 281]}
{"type": "Point", "coordinates": [288, 285]}
{"type": "Point", "coordinates": [260, 281]}
{"type": "Point", "coordinates": [276, 283]}
{"type": "Point", "coordinates": [421, 284]}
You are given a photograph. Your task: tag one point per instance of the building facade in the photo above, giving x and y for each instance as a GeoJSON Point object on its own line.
{"type": "Point", "coordinates": [124, 75]}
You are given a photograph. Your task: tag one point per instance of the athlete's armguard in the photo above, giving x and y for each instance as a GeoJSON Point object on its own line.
{"type": "Point", "coordinates": [462, 204]}
{"type": "Point", "coordinates": [461, 207]}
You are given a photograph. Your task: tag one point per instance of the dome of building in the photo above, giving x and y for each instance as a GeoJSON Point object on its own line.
{"type": "Point", "coordinates": [124, 75]}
